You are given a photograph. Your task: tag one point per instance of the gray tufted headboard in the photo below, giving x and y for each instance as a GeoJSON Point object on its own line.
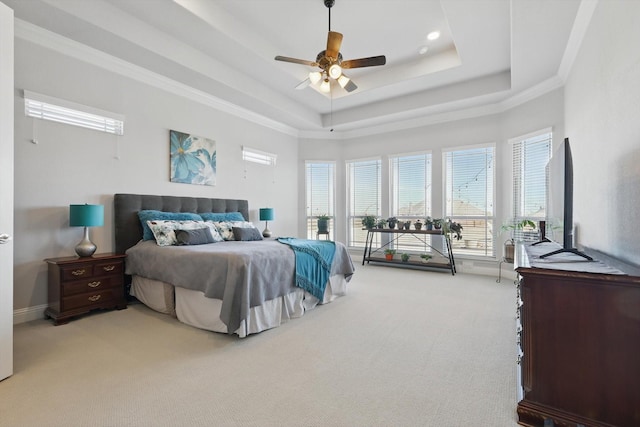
{"type": "Point", "coordinates": [128, 230]}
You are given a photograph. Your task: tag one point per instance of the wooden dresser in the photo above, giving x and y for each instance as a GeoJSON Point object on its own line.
{"type": "Point", "coordinates": [79, 285]}
{"type": "Point", "coordinates": [578, 341]}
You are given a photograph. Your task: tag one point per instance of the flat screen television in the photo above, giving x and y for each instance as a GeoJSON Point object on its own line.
{"type": "Point", "coordinates": [566, 164]}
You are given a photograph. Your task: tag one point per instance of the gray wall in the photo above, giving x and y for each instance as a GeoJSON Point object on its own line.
{"type": "Point", "coordinates": [602, 112]}
{"type": "Point", "coordinates": [71, 165]}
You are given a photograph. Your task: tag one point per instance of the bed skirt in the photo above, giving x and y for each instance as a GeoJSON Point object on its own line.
{"type": "Point", "coordinates": [193, 308]}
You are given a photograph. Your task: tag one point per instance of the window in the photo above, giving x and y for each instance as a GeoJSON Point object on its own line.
{"type": "Point", "coordinates": [531, 155]}
{"type": "Point", "coordinates": [257, 156]}
{"type": "Point", "coordinates": [58, 110]}
{"type": "Point", "coordinates": [469, 195]}
{"type": "Point", "coordinates": [320, 189]}
{"type": "Point", "coordinates": [363, 188]}
{"type": "Point", "coordinates": [410, 177]}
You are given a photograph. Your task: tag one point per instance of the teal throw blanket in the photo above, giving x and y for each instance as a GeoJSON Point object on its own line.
{"type": "Point", "coordinates": [313, 263]}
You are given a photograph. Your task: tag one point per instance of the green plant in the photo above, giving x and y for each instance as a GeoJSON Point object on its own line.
{"type": "Point", "coordinates": [381, 223]}
{"type": "Point", "coordinates": [425, 257]}
{"type": "Point", "coordinates": [520, 225]}
{"type": "Point", "coordinates": [437, 223]}
{"type": "Point", "coordinates": [453, 227]}
{"type": "Point", "coordinates": [369, 221]}
{"type": "Point", "coordinates": [324, 217]}
{"type": "Point", "coordinates": [390, 251]}
{"type": "Point", "coordinates": [405, 257]}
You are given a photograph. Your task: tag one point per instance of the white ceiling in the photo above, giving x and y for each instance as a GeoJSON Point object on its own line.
{"type": "Point", "coordinates": [490, 51]}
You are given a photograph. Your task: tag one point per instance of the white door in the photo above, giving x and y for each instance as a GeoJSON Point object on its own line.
{"type": "Point", "coordinates": [6, 191]}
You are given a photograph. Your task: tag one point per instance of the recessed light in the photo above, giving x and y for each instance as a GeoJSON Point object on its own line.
{"type": "Point", "coordinates": [434, 35]}
{"type": "Point", "coordinates": [423, 50]}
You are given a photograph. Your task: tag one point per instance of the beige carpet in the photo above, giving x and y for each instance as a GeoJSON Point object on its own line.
{"type": "Point", "coordinates": [404, 348]}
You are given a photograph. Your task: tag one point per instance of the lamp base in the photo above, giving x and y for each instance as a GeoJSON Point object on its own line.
{"type": "Point", "coordinates": [266, 232]}
{"type": "Point", "coordinates": [85, 248]}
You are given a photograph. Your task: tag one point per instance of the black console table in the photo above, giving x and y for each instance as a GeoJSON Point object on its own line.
{"type": "Point", "coordinates": [370, 253]}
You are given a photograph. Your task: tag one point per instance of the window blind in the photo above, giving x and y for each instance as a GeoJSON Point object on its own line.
{"type": "Point", "coordinates": [58, 110]}
{"type": "Point", "coordinates": [320, 194]}
{"type": "Point", "coordinates": [469, 193]}
{"type": "Point", "coordinates": [531, 177]}
{"type": "Point", "coordinates": [411, 185]}
{"type": "Point", "coordinates": [363, 196]}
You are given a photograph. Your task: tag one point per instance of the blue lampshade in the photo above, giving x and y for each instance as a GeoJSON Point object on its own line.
{"type": "Point", "coordinates": [266, 214]}
{"type": "Point", "coordinates": [86, 215]}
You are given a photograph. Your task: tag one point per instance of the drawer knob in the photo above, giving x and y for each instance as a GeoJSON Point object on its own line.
{"type": "Point", "coordinates": [94, 284]}
{"type": "Point", "coordinates": [79, 272]}
{"type": "Point", "coordinates": [94, 298]}
{"type": "Point", "coordinates": [109, 267]}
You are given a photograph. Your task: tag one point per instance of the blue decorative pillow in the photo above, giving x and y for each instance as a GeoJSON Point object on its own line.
{"type": "Point", "coordinates": [222, 216]}
{"type": "Point", "coordinates": [152, 215]}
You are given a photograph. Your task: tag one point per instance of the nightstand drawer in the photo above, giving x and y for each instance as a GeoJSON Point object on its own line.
{"type": "Point", "coordinates": [76, 272]}
{"type": "Point", "coordinates": [114, 268]}
{"type": "Point", "coordinates": [91, 285]}
{"type": "Point", "coordinates": [87, 300]}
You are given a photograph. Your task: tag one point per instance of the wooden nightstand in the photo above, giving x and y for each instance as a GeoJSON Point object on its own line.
{"type": "Point", "coordinates": [79, 285]}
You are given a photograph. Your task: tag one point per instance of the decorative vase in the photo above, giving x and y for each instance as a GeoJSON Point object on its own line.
{"type": "Point", "coordinates": [323, 226]}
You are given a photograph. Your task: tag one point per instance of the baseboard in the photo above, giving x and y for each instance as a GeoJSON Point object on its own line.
{"type": "Point", "coordinates": [28, 314]}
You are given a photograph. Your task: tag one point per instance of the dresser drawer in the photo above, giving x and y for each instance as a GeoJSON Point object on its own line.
{"type": "Point", "coordinates": [93, 284]}
{"type": "Point", "coordinates": [87, 300]}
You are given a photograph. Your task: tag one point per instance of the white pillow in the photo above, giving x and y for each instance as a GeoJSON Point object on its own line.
{"type": "Point", "coordinates": [225, 228]}
{"type": "Point", "coordinates": [164, 230]}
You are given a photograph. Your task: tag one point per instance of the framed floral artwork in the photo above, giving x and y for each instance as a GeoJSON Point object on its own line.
{"type": "Point", "coordinates": [193, 159]}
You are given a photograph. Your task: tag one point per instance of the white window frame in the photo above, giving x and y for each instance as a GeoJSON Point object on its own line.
{"type": "Point", "coordinates": [312, 211]}
{"type": "Point", "coordinates": [46, 107]}
{"type": "Point", "coordinates": [258, 156]}
{"type": "Point", "coordinates": [354, 219]}
{"type": "Point", "coordinates": [486, 242]}
{"type": "Point", "coordinates": [408, 242]}
{"type": "Point", "coordinates": [520, 170]}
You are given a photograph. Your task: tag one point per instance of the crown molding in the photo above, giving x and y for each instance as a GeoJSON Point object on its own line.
{"type": "Point", "coordinates": [48, 39]}
{"type": "Point", "coordinates": [442, 113]}
{"type": "Point", "coordinates": [578, 31]}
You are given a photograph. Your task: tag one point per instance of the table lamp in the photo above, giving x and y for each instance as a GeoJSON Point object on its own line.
{"type": "Point", "coordinates": [86, 216]}
{"type": "Point", "coordinates": [266, 215]}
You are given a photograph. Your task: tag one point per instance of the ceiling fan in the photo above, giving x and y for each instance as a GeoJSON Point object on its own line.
{"type": "Point", "coordinates": [331, 63]}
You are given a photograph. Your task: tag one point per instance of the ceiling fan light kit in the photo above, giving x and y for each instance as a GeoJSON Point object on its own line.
{"type": "Point", "coordinates": [331, 64]}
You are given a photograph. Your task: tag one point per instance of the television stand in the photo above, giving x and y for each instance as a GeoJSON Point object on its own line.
{"type": "Point", "coordinates": [543, 240]}
{"type": "Point", "coordinates": [565, 251]}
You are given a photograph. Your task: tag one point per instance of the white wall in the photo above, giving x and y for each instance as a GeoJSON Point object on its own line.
{"type": "Point", "coordinates": [603, 123]}
{"type": "Point", "coordinates": [72, 165]}
{"type": "Point", "coordinates": [543, 112]}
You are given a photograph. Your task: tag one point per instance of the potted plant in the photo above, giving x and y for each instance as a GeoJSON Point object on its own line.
{"type": "Point", "coordinates": [418, 225]}
{"type": "Point", "coordinates": [368, 221]}
{"type": "Point", "coordinates": [437, 223]}
{"type": "Point", "coordinates": [389, 253]}
{"type": "Point", "coordinates": [425, 257]}
{"type": "Point", "coordinates": [455, 228]}
{"type": "Point", "coordinates": [405, 257]}
{"type": "Point", "coordinates": [323, 223]}
{"type": "Point", "coordinates": [381, 222]}
{"type": "Point", "coordinates": [509, 244]}
{"type": "Point", "coordinates": [407, 225]}
{"type": "Point", "coordinates": [428, 221]}
{"type": "Point", "coordinates": [392, 221]}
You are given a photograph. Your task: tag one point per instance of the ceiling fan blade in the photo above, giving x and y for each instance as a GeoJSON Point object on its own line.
{"type": "Point", "coordinates": [303, 84]}
{"type": "Point", "coordinates": [334, 41]}
{"type": "Point", "coordinates": [296, 61]}
{"type": "Point", "coordinates": [372, 61]}
{"type": "Point", "coordinates": [350, 86]}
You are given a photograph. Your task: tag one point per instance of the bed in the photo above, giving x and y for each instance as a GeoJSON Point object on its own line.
{"type": "Point", "coordinates": [238, 287]}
